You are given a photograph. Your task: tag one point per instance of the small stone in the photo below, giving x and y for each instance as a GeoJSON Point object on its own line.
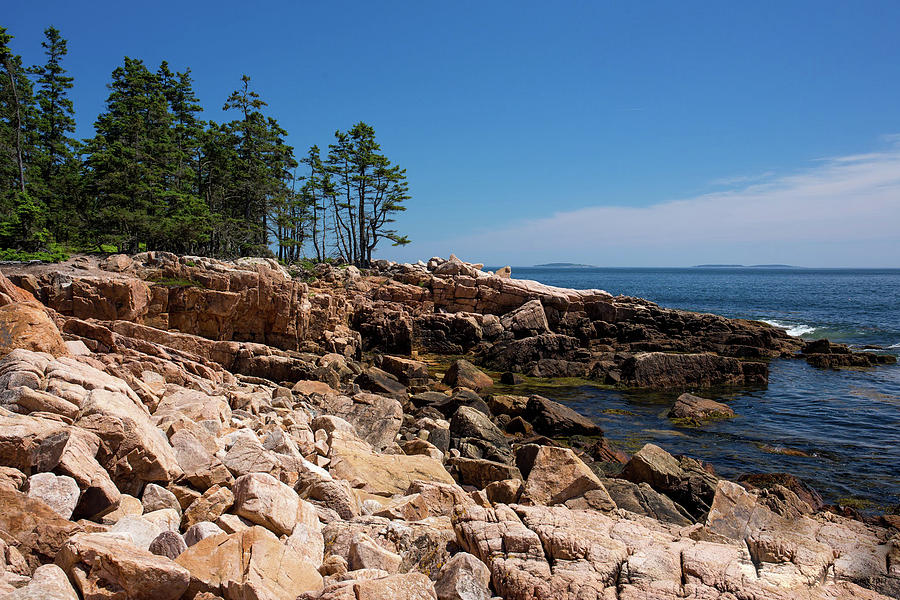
{"type": "Point", "coordinates": [156, 497]}
{"type": "Point", "coordinates": [60, 492]}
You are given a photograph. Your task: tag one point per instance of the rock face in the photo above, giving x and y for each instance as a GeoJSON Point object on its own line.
{"type": "Point", "coordinates": [262, 499]}
{"type": "Point", "coordinates": [381, 474]}
{"type": "Point", "coordinates": [696, 409]}
{"type": "Point", "coordinates": [32, 527]}
{"type": "Point", "coordinates": [542, 553]}
{"type": "Point", "coordinates": [557, 420]}
{"type": "Point", "coordinates": [103, 566]}
{"type": "Point", "coordinates": [26, 325]}
{"type": "Point", "coordinates": [555, 475]}
{"type": "Point", "coordinates": [248, 564]}
{"type": "Point", "coordinates": [59, 492]}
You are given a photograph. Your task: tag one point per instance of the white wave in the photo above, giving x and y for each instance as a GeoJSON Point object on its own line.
{"type": "Point", "coordinates": [893, 346]}
{"type": "Point", "coordinates": [791, 329]}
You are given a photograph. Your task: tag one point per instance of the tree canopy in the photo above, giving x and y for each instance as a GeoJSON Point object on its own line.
{"type": "Point", "coordinates": [156, 176]}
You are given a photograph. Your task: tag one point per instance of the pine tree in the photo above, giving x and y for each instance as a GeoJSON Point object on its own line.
{"type": "Point", "coordinates": [129, 160]}
{"type": "Point", "coordinates": [56, 171]}
{"type": "Point", "coordinates": [22, 216]}
{"type": "Point", "coordinates": [366, 193]}
{"type": "Point", "coordinates": [188, 222]}
{"type": "Point", "coordinates": [261, 169]}
{"type": "Point", "coordinates": [316, 189]}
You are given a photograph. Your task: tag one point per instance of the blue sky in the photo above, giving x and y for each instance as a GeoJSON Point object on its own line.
{"type": "Point", "coordinates": [616, 134]}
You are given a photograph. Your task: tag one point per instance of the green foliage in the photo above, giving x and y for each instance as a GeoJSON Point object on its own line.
{"type": "Point", "coordinates": [154, 176]}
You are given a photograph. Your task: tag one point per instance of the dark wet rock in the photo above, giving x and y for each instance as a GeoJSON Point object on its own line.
{"type": "Point", "coordinates": [523, 355]}
{"type": "Point", "coordinates": [471, 426]}
{"type": "Point", "coordinates": [663, 370]}
{"type": "Point", "coordinates": [824, 354]}
{"type": "Point", "coordinates": [375, 380]}
{"type": "Point", "coordinates": [556, 420]}
{"type": "Point", "coordinates": [375, 418]}
{"type": "Point", "coordinates": [448, 406]}
{"type": "Point", "coordinates": [642, 499]}
{"type": "Point", "coordinates": [777, 482]}
{"type": "Point", "coordinates": [448, 333]}
{"type": "Point", "coordinates": [518, 425]}
{"type": "Point", "coordinates": [510, 378]}
{"type": "Point", "coordinates": [697, 409]}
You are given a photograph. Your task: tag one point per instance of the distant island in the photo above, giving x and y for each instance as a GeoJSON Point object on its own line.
{"type": "Point", "coordinates": [746, 267]}
{"type": "Point", "coordinates": [565, 265]}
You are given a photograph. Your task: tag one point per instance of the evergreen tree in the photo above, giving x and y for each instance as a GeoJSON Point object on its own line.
{"type": "Point", "coordinates": [188, 223]}
{"type": "Point", "coordinates": [22, 216]}
{"type": "Point", "coordinates": [56, 173]}
{"type": "Point", "coordinates": [130, 159]}
{"type": "Point", "coordinates": [367, 192]}
{"type": "Point", "coordinates": [261, 170]}
{"type": "Point", "coordinates": [315, 191]}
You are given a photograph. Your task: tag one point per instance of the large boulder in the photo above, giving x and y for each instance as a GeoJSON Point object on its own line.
{"type": "Point", "coordinates": [479, 472]}
{"type": "Point", "coordinates": [555, 475]}
{"type": "Point", "coordinates": [464, 577]}
{"type": "Point", "coordinates": [683, 480]}
{"type": "Point", "coordinates": [410, 372]}
{"type": "Point", "coordinates": [48, 582]}
{"type": "Point", "coordinates": [642, 499]}
{"type": "Point", "coordinates": [375, 418]}
{"type": "Point", "coordinates": [527, 320]}
{"type": "Point", "coordinates": [470, 427]}
{"type": "Point", "coordinates": [32, 526]}
{"type": "Point", "coordinates": [382, 474]}
{"type": "Point", "coordinates": [262, 499]}
{"type": "Point", "coordinates": [42, 445]}
{"type": "Point", "coordinates": [249, 564]}
{"type": "Point", "coordinates": [462, 373]}
{"type": "Point", "coordinates": [133, 449]}
{"type": "Point", "coordinates": [60, 492]}
{"type": "Point", "coordinates": [102, 566]}
{"type": "Point", "coordinates": [557, 420]}
{"type": "Point", "coordinates": [664, 370]}
{"type": "Point", "coordinates": [26, 325]}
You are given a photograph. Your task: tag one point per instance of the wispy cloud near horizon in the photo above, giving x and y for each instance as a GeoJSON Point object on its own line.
{"type": "Point", "coordinates": [842, 211]}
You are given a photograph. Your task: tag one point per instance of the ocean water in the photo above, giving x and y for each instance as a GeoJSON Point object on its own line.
{"type": "Point", "coordinates": [838, 430]}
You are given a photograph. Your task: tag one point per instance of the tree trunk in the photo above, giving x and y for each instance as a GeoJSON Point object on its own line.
{"type": "Point", "coordinates": [12, 82]}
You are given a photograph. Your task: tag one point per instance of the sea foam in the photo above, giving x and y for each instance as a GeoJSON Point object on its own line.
{"type": "Point", "coordinates": [797, 329]}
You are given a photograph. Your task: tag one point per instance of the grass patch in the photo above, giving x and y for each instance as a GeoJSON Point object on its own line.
{"type": "Point", "coordinates": [54, 255]}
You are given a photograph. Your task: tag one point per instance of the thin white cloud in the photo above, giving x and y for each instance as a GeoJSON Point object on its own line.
{"type": "Point", "coordinates": [741, 179]}
{"type": "Point", "coordinates": [844, 211]}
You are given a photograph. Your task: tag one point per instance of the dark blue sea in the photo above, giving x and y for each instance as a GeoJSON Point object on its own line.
{"type": "Point", "coordinates": [838, 430]}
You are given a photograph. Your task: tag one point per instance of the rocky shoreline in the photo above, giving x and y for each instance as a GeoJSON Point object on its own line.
{"type": "Point", "coordinates": [186, 427]}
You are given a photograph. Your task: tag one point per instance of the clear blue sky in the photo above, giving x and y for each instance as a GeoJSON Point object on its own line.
{"type": "Point", "coordinates": [555, 131]}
